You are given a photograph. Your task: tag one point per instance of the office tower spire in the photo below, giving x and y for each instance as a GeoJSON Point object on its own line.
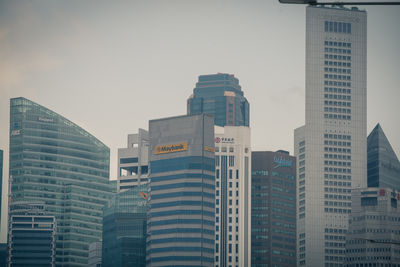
{"type": "Point", "coordinates": [383, 164]}
{"type": "Point", "coordinates": [331, 146]}
{"type": "Point", "coordinates": [220, 95]}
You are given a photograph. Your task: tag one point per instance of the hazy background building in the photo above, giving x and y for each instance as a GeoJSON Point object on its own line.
{"type": "Point", "coordinates": [124, 228]}
{"type": "Point", "coordinates": [54, 161]}
{"type": "Point", "coordinates": [383, 164]}
{"type": "Point", "coordinates": [273, 209]}
{"type": "Point", "coordinates": [373, 238]}
{"type": "Point", "coordinates": [31, 236]}
{"type": "Point", "coordinates": [232, 196]}
{"type": "Point", "coordinates": [331, 146]}
{"type": "Point", "coordinates": [182, 192]}
{"type": "Point", "coordinates": [133, 161]}
{"type": "Point", "coordinates": [220, 95]}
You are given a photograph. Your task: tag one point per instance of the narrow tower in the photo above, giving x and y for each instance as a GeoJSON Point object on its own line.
{"type": "Point", "coordinates": [331, 146]}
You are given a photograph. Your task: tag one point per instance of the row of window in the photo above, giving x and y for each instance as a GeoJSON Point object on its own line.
{"type": "Point", "coordinates": [336, 83]}
{"type": "Point", "coordinates": [337, 163]}
{"type": "Point", "coordinates": [338, 110]}
{"type": "Point", "coordinates": [337, 204]}
{"type": "Point", "coordinates": [337, 90]}
{"type": "Point", "coordinates": [337, 156]}
{"type": "Point", "coordinates": [338, 44]}
{"type": "Point", "coordinates": [337, 50]}
{"type": "Point", "coordinates": [337, 149]}
{"type": "Point", "coordinates": [334, 183]}
{"type": "Point", "coordinates": [335, 251]}
{"type": "Point", "coordinates": [337, 63]}
{"type": "Point", "coordinates": [337, 176]}
{"type": "Point", "coordinates": [337, 170]}
{"type": "Point", "coordinates": [337, 77]}
{"type": "Point", "coordinates": [336, 196]}
{"type": "Point", "coordinates": [337, 57]}
{"type": "Point", "coordinates": [337, 143]}
{"type": "Point", "coordinates": [335, 210]}
{"type": "Point", "coordinates": [337, 27]}
{"type": "Point", "coordinates": [336, 96]}
{"type": "Point", "coordinates": [338, 70]}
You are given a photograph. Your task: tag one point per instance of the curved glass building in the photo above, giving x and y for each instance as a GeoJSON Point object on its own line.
{"type": "Point", "coordinates": [54, 161]}
{"type": "Point", "coordinates": [220, 95]}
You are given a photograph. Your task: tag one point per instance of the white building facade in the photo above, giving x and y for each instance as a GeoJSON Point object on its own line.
{"type": "Point", "coordinates": [133, 161]}
{"type": "Point", "coordinates": [331, 146]}
{"type": "Point", "coordinates": [233, 196]}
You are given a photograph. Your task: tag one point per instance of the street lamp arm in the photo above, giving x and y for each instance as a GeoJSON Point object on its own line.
{"type": "Point", "coordinates": [315, 2]}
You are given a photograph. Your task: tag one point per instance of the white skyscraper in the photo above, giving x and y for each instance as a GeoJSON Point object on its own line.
{"type": "Point", "coordinates": [331, 146]}
{"type": "Point", "coordinates": [233, 196]}
{"type": "Point", "coordinates": [133, 161]}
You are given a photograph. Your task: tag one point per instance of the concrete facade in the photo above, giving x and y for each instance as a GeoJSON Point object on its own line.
{"type": "Point", "coordinates": [233, 196]}
{"type": "Point", "coordinates": [331, 146]}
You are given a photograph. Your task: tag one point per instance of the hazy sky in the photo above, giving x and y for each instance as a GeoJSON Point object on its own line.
{"type": "Point", "coordinates": [110, 66]}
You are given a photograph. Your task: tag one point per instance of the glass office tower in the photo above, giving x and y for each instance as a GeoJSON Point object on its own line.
{"type": "Point", "coordinates": [54, 161]}
{"type": "Point", "coordinates": [273, 209]}
{"type": "Point", "coordinates": [182, 192]}
{"type": "Point", "coordinates": [124, 228]}
{"type": "Point", "coordinates": [331, 146]}
{"type": "Point", "coordinates": [220, 95]}
{"type": "Point", "coordinates": [383, 164]}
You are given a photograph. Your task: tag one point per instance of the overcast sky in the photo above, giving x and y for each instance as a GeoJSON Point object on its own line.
{"type": "Point", "coordinates": [110, 66]}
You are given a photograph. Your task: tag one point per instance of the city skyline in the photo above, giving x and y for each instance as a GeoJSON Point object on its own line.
{"type": "Point", "coordinates": [74, 62]}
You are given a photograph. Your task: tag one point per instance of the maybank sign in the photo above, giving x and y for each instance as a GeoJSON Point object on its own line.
{"type": "Point", "coordinates": [171, 148]}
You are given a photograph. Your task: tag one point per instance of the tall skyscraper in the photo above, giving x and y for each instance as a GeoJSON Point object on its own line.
{"type": "Point", "coordinates": [232, 196]}
{"type": "Point", "coordinates": [1, 180]}
{"type": "Point", "coordinates": [273, 209]}
{"type": "Point", "coordinates": [220, 95]}
{"type": "Point", "coordinates": [124, 228]}
{"type": "Point", "coordinates": [331, 146]}
{"type": "Point", "coordinates": [373, 237]}
{"type": "Point", "coordinates": [133, 161]}
{"type": "Point", "coordinates": [31, 236]}
{"type": "Point", "coordinates": [181, 218]}
{"type": "Point", "coordinates": [383, 164]}
{"type": "Point", "coordinates": [52, 160]}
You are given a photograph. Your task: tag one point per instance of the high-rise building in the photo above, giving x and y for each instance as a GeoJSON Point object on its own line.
{"type": "Point", "coordinates": [273, 209]}
{"type": "Point", "coordinates": [383, 164]}
{"type": "Point", "coordinates": [331, 147]}
{"type": "Point", "coordinates": [1, 180]}
{"type": "Point", "coordinates": [373, 238]}
{"type": "Point", "coordinates": [31, 236]}
{"type": "Point", "coordinates": [232, 196]}
{"type": "Point", "coordinates": [133, 161]}
{"type": "Point", "coordinates": [52, 160]}
{"type": "Point", "coordinates": [220, 95]}
{"type": "Point", "coordinates": [124, 228]}
{"type": "Point", "coordinates": [95, 254]}
{"type": "Point", "coordinates": [181, 218]}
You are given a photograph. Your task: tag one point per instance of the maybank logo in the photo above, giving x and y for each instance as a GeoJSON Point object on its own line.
{"type": "Point", "coordinates": [171, 148]}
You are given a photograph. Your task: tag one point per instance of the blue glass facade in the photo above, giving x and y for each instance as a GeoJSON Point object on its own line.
{"type": "Point", "coordinates": [124, 228]}
{"type": "Point", "coordinates": [220, 95]}
{"type": "Point", "coordinates": [31, 236]}
{"type": "Point", "coordinates": [182, 192]}
{"type": "Point", "coordinates": [383, 164]}
{"type": "Point", "coordinates": [273, 216]}
{"type": "Point", "coordinates": [54, 161]}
